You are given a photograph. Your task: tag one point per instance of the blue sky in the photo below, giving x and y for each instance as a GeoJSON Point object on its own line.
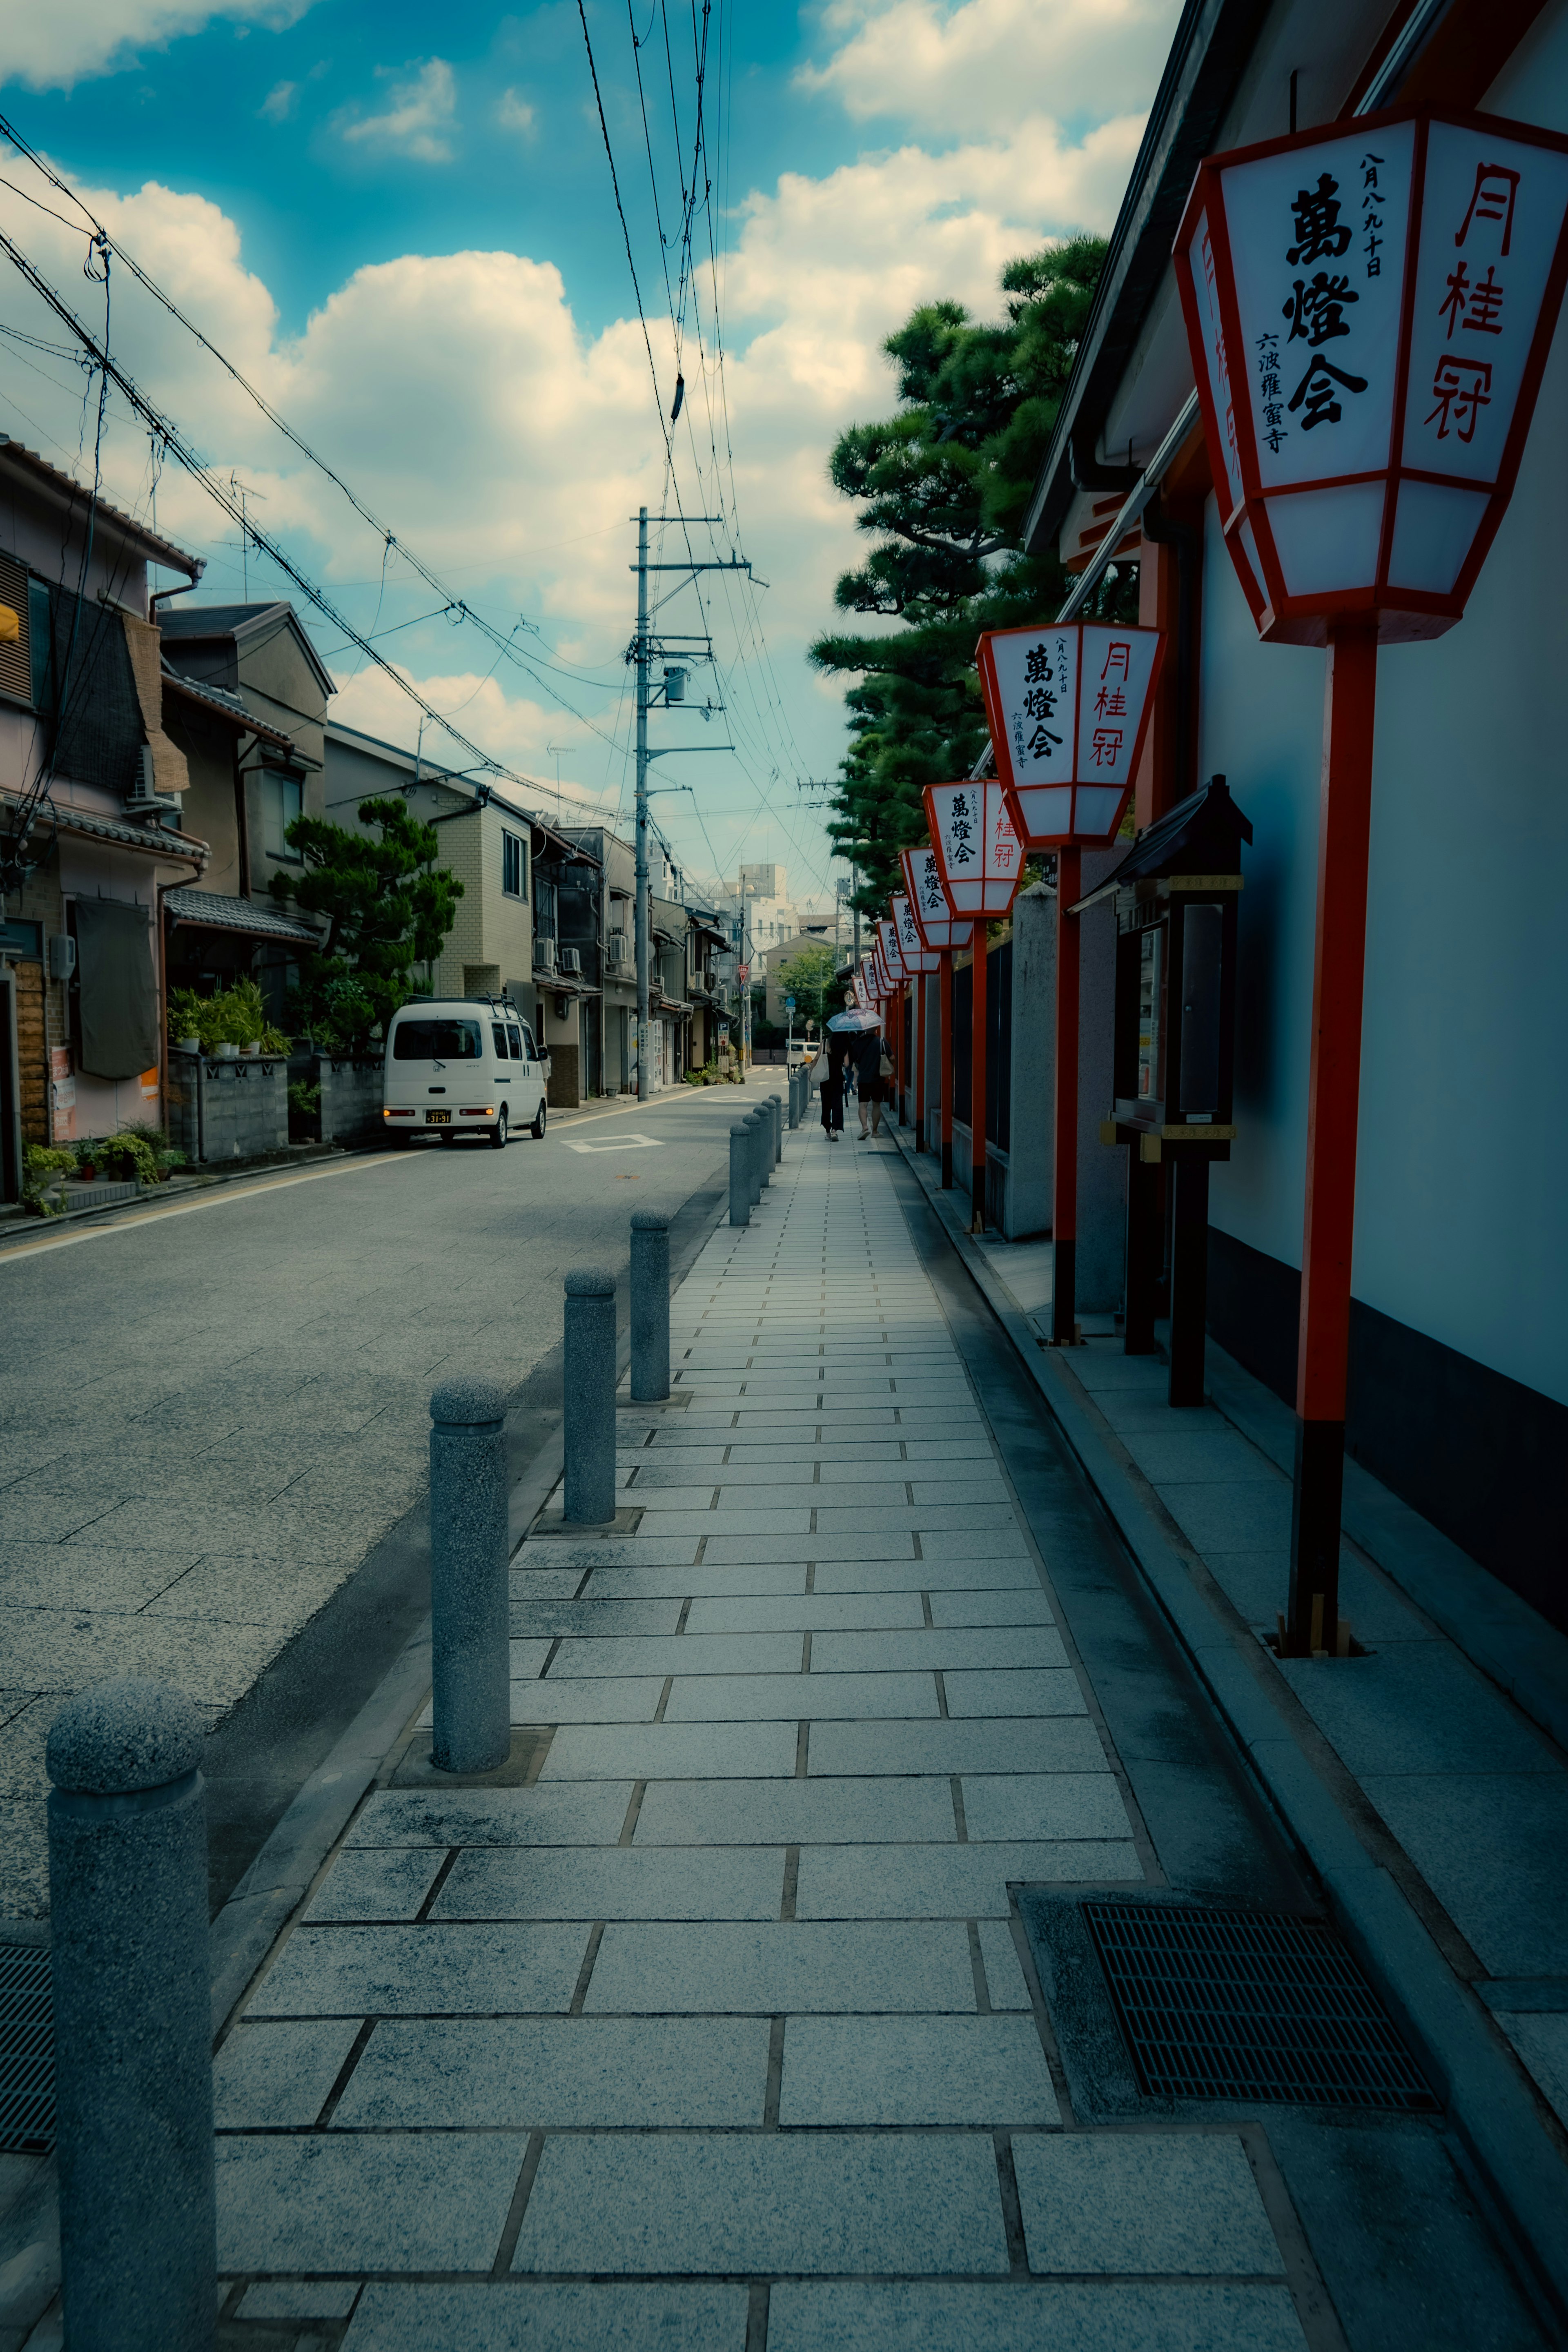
{"type": "Point", "coordinates": [399, 223]}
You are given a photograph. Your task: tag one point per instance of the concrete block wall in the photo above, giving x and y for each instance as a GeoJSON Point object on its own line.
{"type": "Point", "coordinates": [220, 1110]}
{"type": "Point", "coordinates": [351, 1099]}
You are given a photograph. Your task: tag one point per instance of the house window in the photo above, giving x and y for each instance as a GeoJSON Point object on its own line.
{"type": "Point", "coordinates": [513, 866]}
{"type": "Point", "coordinates": [282, 800]}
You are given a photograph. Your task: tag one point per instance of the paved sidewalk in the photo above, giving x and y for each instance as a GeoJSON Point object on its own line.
{"type": "Point", "coordinates": [717, 2032]}
{"type": "Point", "coordinates": [1462, 1795]}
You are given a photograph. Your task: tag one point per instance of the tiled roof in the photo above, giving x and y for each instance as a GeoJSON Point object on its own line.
{"type": "Point", "coordinates": [158, 551]}
{"type": "Point", "coordinates": [227, 705]}
{"type": "Point", "coordinates": [217, 913]}
{"type": "Point", "coordinates": [157, 840]}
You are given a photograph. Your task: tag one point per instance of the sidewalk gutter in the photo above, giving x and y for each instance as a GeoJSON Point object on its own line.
{"type": "Point", "coordinates": [1476, 2074]}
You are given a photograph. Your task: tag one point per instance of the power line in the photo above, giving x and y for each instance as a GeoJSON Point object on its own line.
{"type": "Point", "coordinates": [174, 443]}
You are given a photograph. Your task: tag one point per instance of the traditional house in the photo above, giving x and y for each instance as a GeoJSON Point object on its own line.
{"type": "Point", "coordinates": [92, 832]}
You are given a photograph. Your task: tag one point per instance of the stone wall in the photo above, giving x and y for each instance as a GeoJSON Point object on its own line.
{"type": "Point", "coordinates": [351, 1099]}
{"type": "Point", "coordinates": [220, 1110]}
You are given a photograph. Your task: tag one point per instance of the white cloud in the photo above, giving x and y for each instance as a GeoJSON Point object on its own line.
{"type": "Point", "coordinates": [419, 119]}
{"type": "Point", "coordinates": [460, 398]}
{"type": "Point", "coordinates": [56, 46]}
{"type": "Point", "coordinates": [515, 114]}
{"type": "Point", "coordinates": [983, 67]}
{"type": "Point", "coordinates": [279, 102]}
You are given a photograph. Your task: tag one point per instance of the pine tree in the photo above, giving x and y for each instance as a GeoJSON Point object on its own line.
{"type": "Point", "coordinates": [389, 906]}
{"type": "Point", "coordinates": [943, 487]}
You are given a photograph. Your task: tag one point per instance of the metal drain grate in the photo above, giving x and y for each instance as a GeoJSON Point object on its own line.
{"type": "Point", "coordinates": [1249, 2005]}
{"type": "Point", "coordinates": [27, 2050]}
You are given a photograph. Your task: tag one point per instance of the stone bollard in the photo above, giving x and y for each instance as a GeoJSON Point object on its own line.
{"type": "Point", "coordinates": [470, 1616]}
{"type": "Point", "coordinates": [132, 1994]}
{"type": "Point", "coordinates": [776, 1111]}
{"type": "Point", "coordinates": [650, 1306]}
{"type": "Point", "coordinates": [739, 1180]}
{"type": "Point", "coordinates": [589, 1395]}
{"type": "Point", "coordinates": [794, 1100]}
{"type": "Point", "coordinates": [757, 1169]}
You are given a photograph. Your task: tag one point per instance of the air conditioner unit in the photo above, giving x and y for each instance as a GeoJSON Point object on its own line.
{"type": "Point", "coordinates": [144, 799]}
{"type": "Point", "coordinates": [570, 960]}
{"type": "Point", "coordinates": [618, 948]}
{"type": "Point", "coordinates": [543, 955]}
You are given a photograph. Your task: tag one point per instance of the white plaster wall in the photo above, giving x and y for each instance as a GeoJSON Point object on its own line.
{"type": "Point", "coordinates": [1459, 1225]}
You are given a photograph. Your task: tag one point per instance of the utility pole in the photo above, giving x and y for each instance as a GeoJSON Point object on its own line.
{"type": "Point", "coordinates": [642, 921]}
{"type": "Point", "coordinates": [643, 649]}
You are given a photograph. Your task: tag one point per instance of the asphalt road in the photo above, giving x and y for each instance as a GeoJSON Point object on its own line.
{"type": "Point", "coordinates": [216, 1423]}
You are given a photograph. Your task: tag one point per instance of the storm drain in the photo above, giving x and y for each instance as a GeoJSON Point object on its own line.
{"type": "Point", "coordinates": [27, 2050]}
{"type": "Point", "coordinates": [1249, 2005]}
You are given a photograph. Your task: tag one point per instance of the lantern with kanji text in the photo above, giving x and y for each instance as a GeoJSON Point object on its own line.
{"type": "Point", "coordinates": [978, 857]}
{"type": "Point", "coordinates": [1069, 705]}
{"type": "Point", "coordinates": [1369, 309]}
{"type": "Point", "coordinates": [934, 918]}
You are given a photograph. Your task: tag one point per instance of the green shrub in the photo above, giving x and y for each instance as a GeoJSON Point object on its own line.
{"type": "Point", "coordinates": [126, 1155]}
{"type": "Point", "coordinates": [42, 1168]}
{"type": "Point", "coordinates": [231, 1016]}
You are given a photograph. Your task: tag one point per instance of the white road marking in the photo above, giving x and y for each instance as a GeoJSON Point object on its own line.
{"type": "Point", "coordinates": [621, 1143]}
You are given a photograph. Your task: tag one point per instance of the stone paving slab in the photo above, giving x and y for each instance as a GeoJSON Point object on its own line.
{"type": "Point", "coordinates": [1156, 2201]}
{"type": "Point", "coordinates": [828, 1965]}
{"type": "Point", "coordinates": [915, 2070]}
{"type": "Point", "coordinates": [946, 1882]}
{"type": "Point", "coordinates": [823, 1699]}
{"type": "Point", "coordinates": [619, 1882]}
{"type": "Point", "coordinates": [671, 1751]}
{"type": "Point", "coordinates": [513, 2317]}
{"type": "Point", "coordinates": [812, 2202]}
{"type": "Point", "coordinates": [412, 1971]}
{"type": "Point", "coordinates": [409, 2202]}
{"type": "Point", "coordinates": [580, 1815]}
{"type": "Point", "coordinates": [1029, 2318]}
{"type": "Point", "coordinates": [798, 1812]}
{"type": "Point", "coordinates": [514, 2073]}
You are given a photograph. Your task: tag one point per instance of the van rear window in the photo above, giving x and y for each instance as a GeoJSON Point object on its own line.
{"type": "Point", "coordinates": [436, 1041]}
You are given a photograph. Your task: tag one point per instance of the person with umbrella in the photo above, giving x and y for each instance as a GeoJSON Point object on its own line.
{"type": "Point", "coordinates": [861, 1033]}
{"type": "Point", "coordinates": [831, 1085]}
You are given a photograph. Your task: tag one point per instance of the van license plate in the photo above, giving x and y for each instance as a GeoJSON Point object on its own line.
{"type": "Point", "coordinates": [437, 1118]}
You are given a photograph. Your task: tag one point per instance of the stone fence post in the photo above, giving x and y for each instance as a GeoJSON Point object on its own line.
{"type": "Point", "coordinates": [739, 1180]}
{"type": "Point", "coordinates": [590, 1395]}
{"type": "Point", "coordinates": [133, 2079]}
{"type": "Point", "coordinates": [470, 1612]}
{"type": "Point", "coordinates": [650, 1306]}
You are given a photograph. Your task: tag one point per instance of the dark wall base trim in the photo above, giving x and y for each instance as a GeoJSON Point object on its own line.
{"type": "Point", "coordinates": [1477, 1454]}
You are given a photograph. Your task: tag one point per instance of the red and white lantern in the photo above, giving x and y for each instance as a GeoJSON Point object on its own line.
{"type": "Point", "coordinates": [918, 958]}
{"type": "Point", "coordinates": [1069, 707]}
{"type": "Point", "coordinates": [979, 859]}
{"type": "Point", "coordinates": [1369, 309]}
{"type": "Point", "coordinates": [888, 940]}
{"type": "Point", "coordinates": [871, 987]}
{"type": "Point", "coordinates": [933, 916]}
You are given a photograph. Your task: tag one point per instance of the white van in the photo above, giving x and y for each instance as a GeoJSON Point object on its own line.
{"type": "Point", "coordinates": [462, 1065]}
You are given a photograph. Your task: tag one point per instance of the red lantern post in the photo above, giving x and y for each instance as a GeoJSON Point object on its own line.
{"type": "Point", "coordinates": [979, 863]}
{"type": "Point", "coordinates": [1369, 310]}
{"type": "Point", "coordinates": [919, 961]}
{"type": "Point", "coordinates": [941, 933]}
{"type": "Point", "coordinates": [1069, 707]}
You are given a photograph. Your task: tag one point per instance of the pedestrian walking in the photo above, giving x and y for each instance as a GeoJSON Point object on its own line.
{"type": "Point", "coordinates": [830, 1088]}
{"type": "Point", "coordinates": [872, 1069]}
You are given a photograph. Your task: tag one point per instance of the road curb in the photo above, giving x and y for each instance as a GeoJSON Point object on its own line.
{"type": "Point", "coordinates": [1488, 2100]}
